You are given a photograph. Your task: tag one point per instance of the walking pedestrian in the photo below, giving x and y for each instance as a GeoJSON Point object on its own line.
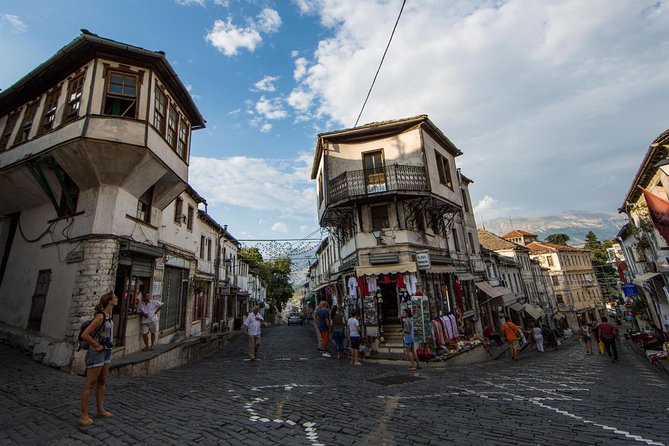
{"type": "Point", "coordinates": [608, 333]}
{"type": "Point", "coordinates": [98, 358]}
{"type": "Point", "coordinates": [148, 308]}
{"type": "Point", "coordinates": [511, 334]}
{"type": "Point", "coordinates": [322, 318]}
{"type": "Point", "coordinates": [252, 325]}
{"type": "Point", "coordinates": [354, 336]}
{"type": "Point", "coordinates": [338, 330]}
{"type": "Point", "coordinates": [587, 338]}
{"type": "Point", "coordinates": [538, 337]}
{"type": "Point", "coordinates": [409, 339]}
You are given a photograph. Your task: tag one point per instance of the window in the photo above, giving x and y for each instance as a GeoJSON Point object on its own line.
{"type": "Point", "coordinates": [191, 211]}
{"type": "Point", "coordinates": [182, 145]}
{"type": "Point", "coordinates": [9, 129]}
{"type": "Point", "coordinates": [201, 303]}
{"type": "Point", "coordinates": [556, 281]}
{"type": "Point", "coordinates": [549, 260]}
{"type": "Point", "coordinates": [559, 298]}
{"type": "Point", "coordinates": [209, 249]}
{"type": "Point", "coordinates": [456, 244]}
{"type": "Point", "coordinates": [471, 242]}
{"type": "Point", "coordinates": [172, 124]}
{"type": "Point", "coordinates": [178, 210]}
{"type": "Point", "coordinates": [202, 242]}
{"type": "Point", "coordinates": [444, 170]}
{"type": "Point", "coordinates": [465, 202]}
{"type": "Point", "coordinates": [49, 114]}
{"type": "Point", "coordinates": [74, 91]}
{"type": "Point", "coordinates": [379, 217]}
{"type": "Point", "coordinates": [39, 299]}
{"type": "Point", "coordinates": [159, 112]}
{"type": "Point", "coordinates": [69, 196]}
{"type": "Point", "coordinates": [27, 123]}
{"type": "Point", "coordinates": [121, 97]}
{"type": "Point", "coordinates": [144, 206]}
{"type": "Point", "coordinates": [375, 177]}
{"type": "Point", "coordinates": [320, 188]}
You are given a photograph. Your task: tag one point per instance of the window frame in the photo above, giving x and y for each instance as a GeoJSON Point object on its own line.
{"type": "Point", "coordinates": [379, 218]}
{"type": "Point", "coordinates": [191, 214]}
{"type": "Point", "coordinates": [5, 138]}
{"type": "Point", "coordinates": [160, 119]}
{"type": "Point", "coordinates": [48, 118]}
{"type": "Point", "coordinates": [27, 122]}
{"type": "Point", "coordinates": [444, 170]}
{"type": "Point", "coordinates": [172, 133]}
{"type": "Point", "coordinates": [182, 143]}
{"type": "Point", "coordinates": [122, 96]}
{"type": "Point", "coordinates": [75, 87]}
{"type": "Point", "coordinates": [144, 204]}
{"type": "Point", "coordinates": [178, 210]}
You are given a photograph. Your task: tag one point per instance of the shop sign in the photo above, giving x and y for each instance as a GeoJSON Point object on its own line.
{"type": "Point", "coordinates": [423, 259]}
{"type": "Point", "coordinates": [629, 289]}
{"type": "Point", "coordinates": [74, 257]}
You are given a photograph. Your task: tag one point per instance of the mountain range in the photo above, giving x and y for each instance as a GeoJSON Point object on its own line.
{"type": "Point", "coordinates": [576, 224]}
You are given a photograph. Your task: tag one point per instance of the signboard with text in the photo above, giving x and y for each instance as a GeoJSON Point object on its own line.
{"type": "Point", "coordinates": [423, 260]}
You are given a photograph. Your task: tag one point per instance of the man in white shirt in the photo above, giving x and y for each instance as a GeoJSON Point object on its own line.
{"type": "Point", "coordinates": [252, 325]}
{"type": "Point", "coordinates": [148, 309]}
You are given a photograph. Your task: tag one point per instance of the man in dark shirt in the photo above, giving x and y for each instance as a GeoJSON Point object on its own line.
{"type": "Point", "coordinates": [322, 318]}
{"type": "Point", "coordinates": [607, 333]}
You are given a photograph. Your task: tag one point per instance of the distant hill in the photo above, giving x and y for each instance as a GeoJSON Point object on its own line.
{"type": "Point", "coordinates": [576, 224]}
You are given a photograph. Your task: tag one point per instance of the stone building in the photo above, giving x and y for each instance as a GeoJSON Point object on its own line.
{"type": "Point", "coordinates": [94, 151]}
{"type": "Point", "coordinates": [386, 192]}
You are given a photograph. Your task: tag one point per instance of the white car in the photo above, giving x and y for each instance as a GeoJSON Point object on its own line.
{"type": "Point", "coordinates": [295, 318]}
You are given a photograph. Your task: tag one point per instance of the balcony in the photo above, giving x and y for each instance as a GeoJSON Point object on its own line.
{"type": "Point", "coordinates": [362, 183]}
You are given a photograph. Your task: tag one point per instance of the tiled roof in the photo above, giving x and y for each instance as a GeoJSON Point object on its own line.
{"type": "Point", "coordinates": [518, 233]}
{"type": "Point", "coordinates": [495, 243]}
{"type": "Point", "coordinates": [545, 246]}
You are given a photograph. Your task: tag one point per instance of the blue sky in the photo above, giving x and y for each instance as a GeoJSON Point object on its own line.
{"type": "Point", "coordinates": [553, 103]}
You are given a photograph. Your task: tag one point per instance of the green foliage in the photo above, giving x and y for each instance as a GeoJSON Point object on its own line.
{"type": "Point", "coordinates": [275, 274]}
{"type": "Point", "coordinates": [558, 239]}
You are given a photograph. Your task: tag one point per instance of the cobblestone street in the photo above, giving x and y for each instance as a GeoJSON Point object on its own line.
{"type": "Point", "coordinates": [295, 396]}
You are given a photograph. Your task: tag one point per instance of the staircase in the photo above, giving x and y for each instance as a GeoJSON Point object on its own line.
{"type": "Point", "coordinates": [393, 337]}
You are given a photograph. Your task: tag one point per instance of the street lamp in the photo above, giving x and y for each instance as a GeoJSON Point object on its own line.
{"type": "Point", "coordinates": [378, 234]}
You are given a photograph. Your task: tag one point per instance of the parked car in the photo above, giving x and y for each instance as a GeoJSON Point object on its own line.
{"type": "Point", "coordinates": [295, 318]}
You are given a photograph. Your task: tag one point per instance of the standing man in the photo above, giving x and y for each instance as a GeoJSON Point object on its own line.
{"type": "Point", "coordinates": [252, 329]}
{"type": "Point", "coordinates": [511, 332]}
{"type": "Point", "coordinates": [148, 309]}
{"type": "Point", "coordinates": [607, 333]}
{"type": "Point", "coordinates": [322, 318]}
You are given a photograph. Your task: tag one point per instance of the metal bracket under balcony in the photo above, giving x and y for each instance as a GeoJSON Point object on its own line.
{"type": "Point", "coordinates": [339, 222]}
{"type": "Point", "coordinates": [440, 213]}
{"type": "Point", "coordinates": [362, 183]}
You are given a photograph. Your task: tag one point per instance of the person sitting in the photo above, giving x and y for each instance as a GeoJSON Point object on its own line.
{"type": "Point", "coordinates": [489, 332]}
{"type": "Point", "coordinates": [656, 342]}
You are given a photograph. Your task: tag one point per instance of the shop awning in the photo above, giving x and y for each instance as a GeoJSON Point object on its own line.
{"type": "Point", "coordinates": [644, 277]}
{"type": "Point", "coordinates": [395, 268]}
{"type": "Point", "coordinates": [533, 311]}
{"type": "Point", "coordinates": [492, 291]}
{"type": "Point", "coordinates": [517, 307]}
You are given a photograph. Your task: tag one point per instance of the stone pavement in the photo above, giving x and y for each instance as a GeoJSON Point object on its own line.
{"type": "Point", "coordinates": [294, 396]}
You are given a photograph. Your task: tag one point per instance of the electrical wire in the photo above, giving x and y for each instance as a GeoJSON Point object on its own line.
{"type": "Point", "coordinates": [381, 63]}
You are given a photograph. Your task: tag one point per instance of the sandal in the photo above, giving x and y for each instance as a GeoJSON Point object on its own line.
{"type": "Point", "coordinates": [85, 421]}
{"type": "Point", "coordinates": [104, 414]}
{"type": "Point", "coordinates": [412, 369]}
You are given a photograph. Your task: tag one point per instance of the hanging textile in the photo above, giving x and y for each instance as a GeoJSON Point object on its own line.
{"type": "Point", "coordinates": [371, 282]}
{"type": "Point", "coordinates": [458, 295]}
{"type": "Point", "coordinates": [454, 324]}
{"type": "Point", "coordinates": [352, 285]}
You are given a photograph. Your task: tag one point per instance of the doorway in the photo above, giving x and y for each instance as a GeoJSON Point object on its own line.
{"type": "Point", "coordinates": [389, 306]}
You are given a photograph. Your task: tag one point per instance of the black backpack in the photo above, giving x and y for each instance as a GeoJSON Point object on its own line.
{"type": "Point", "coordinates": [83, 345]}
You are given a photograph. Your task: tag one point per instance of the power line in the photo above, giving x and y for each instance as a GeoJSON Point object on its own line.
{"type": "Point", "coordinates": [381, 63]}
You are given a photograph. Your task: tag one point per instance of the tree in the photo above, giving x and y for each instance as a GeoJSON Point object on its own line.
{"type": "Point", "coordinates": [558, 239]}
{"type": "Point", "coordinates": [275, 274]}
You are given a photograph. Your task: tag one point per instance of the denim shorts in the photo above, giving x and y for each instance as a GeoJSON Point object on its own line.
{"type": "Point", "coordinates": [408, 341]}
{"type": "Point", "coordinates": [355, 342]}
{"type": "Point", "coordinates": [98, 359]}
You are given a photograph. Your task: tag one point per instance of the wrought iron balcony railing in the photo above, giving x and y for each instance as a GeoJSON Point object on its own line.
{"type": "Point", "coordinates": [396, 177]}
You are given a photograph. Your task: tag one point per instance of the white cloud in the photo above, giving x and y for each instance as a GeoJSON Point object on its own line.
{"type": "Point", "coordinates": [266, 83]}
{"type": "Point", "coordinates": [276, 186]}
{"type": "Point", "coordinates": [270, 108]}
{"type": "Point", "coordinates": [294, 53]}
{"type": "Point", "coordinates": [191, 2]}
{"type": "Point", "coordinates": [484, 204]}
{"type": "Point", "coordinates": [15, 23]}
{"type": "Point", "coordinates": [300, 99]}
{"type": "Point", "coordinates": [229, 38]}
{"type": "Point", "coordinates": [300, 68]}
{"type": "Point", "coordinates": [280, 227]}
{"type": "Point", "coordinates": [235, 112]}
{"type": "Point", "coordinates": [525, 88]}
{"type": "Point", "coordinates": [266, 127]}
{"type": "Point", "coordinates": [268, 20]}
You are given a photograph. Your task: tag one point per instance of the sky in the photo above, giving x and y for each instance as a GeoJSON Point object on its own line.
{"type": "Point", "coordinates": [553, 103]}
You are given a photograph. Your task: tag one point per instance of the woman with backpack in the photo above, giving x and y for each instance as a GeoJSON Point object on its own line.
{"type": "Point", "coordinates": [338, 330]}
{"type": "Point", "coordinates": [98, 335]}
